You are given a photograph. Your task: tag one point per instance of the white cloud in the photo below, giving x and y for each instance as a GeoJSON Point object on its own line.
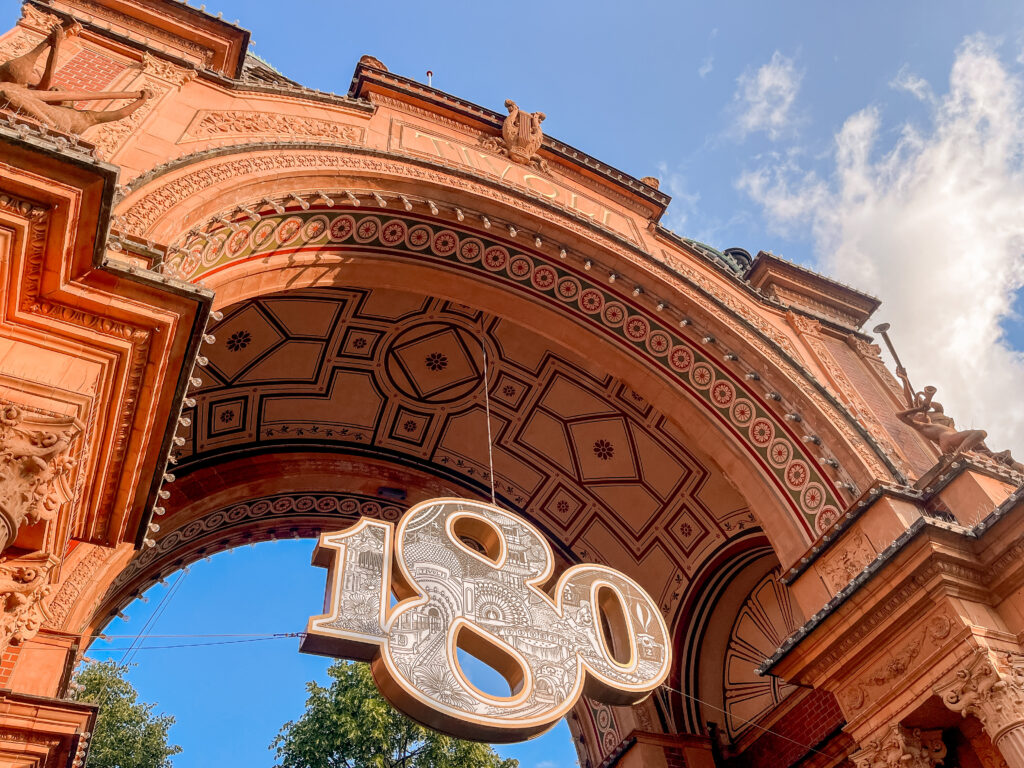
{"type": "Point", "coordinates": [915, 85]}
{"type": "Point", "coordinates": [764, 99]}
{"type": "Point", "coordinates": [933, 225]}
{"type": "Point", "coordinates": [684, 199]}
{"type": "Point", "coordinates": [706, 66]}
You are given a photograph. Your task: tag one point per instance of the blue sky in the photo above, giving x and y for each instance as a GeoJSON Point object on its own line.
{"type": "Point", "coordinates": [878, 142]}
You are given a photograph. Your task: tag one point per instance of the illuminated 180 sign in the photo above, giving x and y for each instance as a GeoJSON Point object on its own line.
{"type": "Point", "coordinates": [471, 576]}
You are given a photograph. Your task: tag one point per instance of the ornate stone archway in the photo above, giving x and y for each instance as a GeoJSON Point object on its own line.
{"type": "Point", "coordinates": [717, 426]}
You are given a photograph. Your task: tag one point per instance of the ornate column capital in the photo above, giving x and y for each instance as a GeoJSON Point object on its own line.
{"type": "Point", "coordinates": [901, 747]}
{"type": "Point", "coordinates": [989, 686]}
{"type": "Point", "coordinates": [34, 467]}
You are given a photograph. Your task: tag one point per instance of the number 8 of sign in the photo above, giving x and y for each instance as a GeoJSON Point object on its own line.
{"type": "Point", "coordinates": [471, 576]}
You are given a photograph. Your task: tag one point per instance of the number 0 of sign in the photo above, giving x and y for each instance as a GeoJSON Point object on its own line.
{"type": "Point", "coordinates": [471, 576]}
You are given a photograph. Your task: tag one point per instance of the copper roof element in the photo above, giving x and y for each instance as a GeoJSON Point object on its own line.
{"type": "Point", "coordinates": [804, 289]}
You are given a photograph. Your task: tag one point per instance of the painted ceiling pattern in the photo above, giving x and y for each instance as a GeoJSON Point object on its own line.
{"type": "Point", "coordinates": [400, 375]}
{"type": "Point", "coordinates": [724, 395]}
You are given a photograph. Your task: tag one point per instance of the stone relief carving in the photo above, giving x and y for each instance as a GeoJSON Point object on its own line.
{"type": "Point", "coordinates": [24, 93]}
{"type": "Point", "coordinates": [158, 78]}
{"type": "Point", "coordinates": [840, 569]}
{"type": "Point", "coordinates": [898, 663]}
{"type": "Point", "coordinates": [64, 600]}
{"type": "Point", "coordinates": [902, 747]}
{"type": "Point", "coordinates": [233, 123]}
{"type": "Point", "coordinates": [989, 686]}
{"type": "Point", "coordinates": [24, 583]}
{"type": "Point", "coordinates": [34, 467]}
{"type": "Point", "coordinates": [521, 137]}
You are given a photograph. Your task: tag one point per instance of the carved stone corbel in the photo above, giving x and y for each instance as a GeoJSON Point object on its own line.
{"type": "Point", "coordinates": [902, 747]}
{"type": "Point", "coordinates": [34, 468]}
{"type": "Point", "coordinates": [990, 686]}
{"type": "Point", "coordinates": [24, 584]}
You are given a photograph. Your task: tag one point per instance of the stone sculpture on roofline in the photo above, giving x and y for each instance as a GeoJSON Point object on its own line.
{"type": "Point", "coordinates": [929, 418]}
{"type": "Point", "coordinates": [23, 93]}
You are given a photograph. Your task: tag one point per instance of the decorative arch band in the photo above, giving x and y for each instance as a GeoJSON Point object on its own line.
{"type": "Point", "coordinates": [727, 399]}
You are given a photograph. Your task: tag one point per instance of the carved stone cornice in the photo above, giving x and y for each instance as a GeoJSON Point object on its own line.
{"type": "Point", "coordinates": [902, 747]}
{"type": "Point", "coordinates": [24, 583]}
{"type": "Point", "coordinates": [34, 466]}
{"type": "Point", "coordinates": [989, 686]}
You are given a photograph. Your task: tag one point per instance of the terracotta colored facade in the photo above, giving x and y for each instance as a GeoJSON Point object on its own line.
{"type": "Point", "coordinates": [247, 311]}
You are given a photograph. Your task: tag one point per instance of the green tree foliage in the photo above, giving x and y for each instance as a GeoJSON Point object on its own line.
{"type": "Point", "coordinates": [350, 725]}
{"type": "Point", "coordinates": [127, 733]}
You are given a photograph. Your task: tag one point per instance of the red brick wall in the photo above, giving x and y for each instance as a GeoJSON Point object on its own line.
{"type": "Point", "coordinates": [10, 655]}
{"type": "Point", "coordinates": [803, 728]}
{"type": "Point", "coordinates": [88, 71]}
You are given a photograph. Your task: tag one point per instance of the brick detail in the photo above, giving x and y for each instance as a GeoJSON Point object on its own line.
{"type": "Point", "coordinates": [792, 737]}
{"type": "Point", "coordinates": [88, 71]}
{"type": "Point", "coordinates": [7, 660]}
{"type": "Point", "coordinates": [674, 757]}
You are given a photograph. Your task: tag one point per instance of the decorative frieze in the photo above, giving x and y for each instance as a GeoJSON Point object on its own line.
{"type": "Point", "coordinates": [902, 747]}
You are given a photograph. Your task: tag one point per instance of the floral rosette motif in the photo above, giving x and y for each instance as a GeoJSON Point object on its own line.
{"type": "Point", "coordinates": [495, 258]}
{"type": "Point", "coordinates": [419, 237]}
{"type": "Point", "coordinates": [315, 228]}
{"type": "Point", "coordinates": [826, 518]}
{"type": "Point", "coordinates": [326, 504]}
{"type": "Point", "coordinates": [211, 253]}
{"type": "Point", "coordinates": [779, 453]}
{"type": "Point", "coordinates": [702, 376]}
{"type": "Point", "coordinates": [262, 233]}
{"type": "Point", "coordinates": [658, 343]}
{"type": "Point", "coordinates": [762, 432]}
{"type": "Point", "coordinates": [288, 230]}
{"type": "Point", "coordinates": [342, 228]}
{"type": "Point", "coordinates": [591, 301]}
{"type": "Point", "coordinates": [237, 242]}
{"type": "Point", "coordinates": [445, 243]}
{"type": "Point", "coordinates": [723, 393]}
{"type": "Point", "coordinates": [681, 358]}
{"type": "Point", "coordinates": [812, 497]}
{"type": "Point", "coordinates": [543, 278]}
{"type": "Point", "coordinates": [637, 328]}
{"type": "Point", "coordinates": [797, 474]}
{"type": "Point", "coordinates": [367, 229]}
{"type": "Point", "coordinates": [614, 314]}
{"type": "Point", "coordinates": [393, 232]}
{"type": "Point", "coordinates": [470, 250]}
{"type": "Point", "coordinates": [520, 267]}
{"type": "Point", "coordinates": [742, 412]}
{"type": "Point", "coordinates": [568, 288]}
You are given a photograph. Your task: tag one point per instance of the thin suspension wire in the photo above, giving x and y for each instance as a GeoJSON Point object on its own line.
{"type": "Point", "coordinates": [154, 617]}
{"type": "Point", "coordinates": [487, 411]}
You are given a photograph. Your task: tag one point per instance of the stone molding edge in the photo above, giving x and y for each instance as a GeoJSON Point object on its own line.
{"type": "Point", "coordinates": [954, 468]}
{"type": "Point", "coordinates": [868, 572]}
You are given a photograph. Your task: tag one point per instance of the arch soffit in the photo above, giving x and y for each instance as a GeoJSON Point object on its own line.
{"type": "Point", "coordinates": [196, 190]}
